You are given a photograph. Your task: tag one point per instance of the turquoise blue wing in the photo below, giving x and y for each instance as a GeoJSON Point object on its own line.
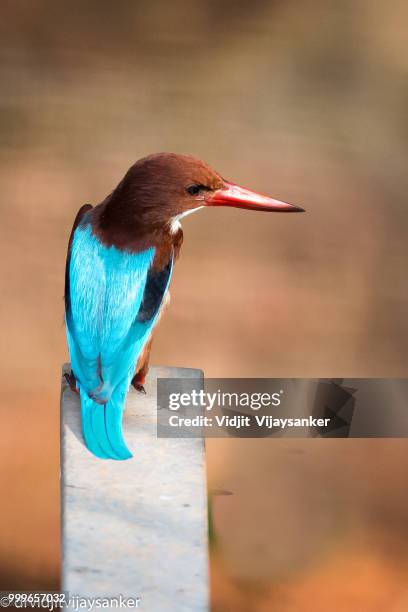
{"type": "Point", "coordinates": [109, 320]}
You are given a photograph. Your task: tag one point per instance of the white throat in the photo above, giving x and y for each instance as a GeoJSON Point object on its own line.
{"type": "Point", "coordinates": [175, 224]}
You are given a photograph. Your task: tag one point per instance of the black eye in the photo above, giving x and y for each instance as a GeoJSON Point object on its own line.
{"type": "Point", "coordinates": [194, 189]}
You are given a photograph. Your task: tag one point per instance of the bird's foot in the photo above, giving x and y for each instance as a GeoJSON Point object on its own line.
{"type": "Point", "coordinates": [71, 380]}
{"type": "Point", "coordinates": [139, 387]}
{"type": "Point", "coordinates": [138, 381]}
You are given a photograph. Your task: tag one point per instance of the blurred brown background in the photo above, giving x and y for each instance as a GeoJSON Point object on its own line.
{"type": "Point", "coordinates": [306, 101]}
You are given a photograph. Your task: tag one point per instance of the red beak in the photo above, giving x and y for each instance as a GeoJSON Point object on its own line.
{"type": "Point", "coordinates": [239, 197]}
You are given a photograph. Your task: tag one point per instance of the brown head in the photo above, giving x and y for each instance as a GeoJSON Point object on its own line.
{"type": "Point", "coordinates": [161, 188]}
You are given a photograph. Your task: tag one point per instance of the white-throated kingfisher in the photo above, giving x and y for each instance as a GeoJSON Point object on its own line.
{"type": "Point", "coordinates": [119, 265]}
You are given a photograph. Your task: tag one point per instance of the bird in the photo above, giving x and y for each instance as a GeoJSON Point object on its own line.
{"type": "Point", "coordinates": [120, 260]}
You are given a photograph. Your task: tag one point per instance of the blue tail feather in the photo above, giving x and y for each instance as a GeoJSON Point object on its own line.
{"type": "Point", "coordinates": [87, 407]}
{"type": "Point", "coordinates": [102, 426]}
{"type": "Point", "coordinates": [98, 425]}
{"type": "Point", "coordinates": [113, 421]}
